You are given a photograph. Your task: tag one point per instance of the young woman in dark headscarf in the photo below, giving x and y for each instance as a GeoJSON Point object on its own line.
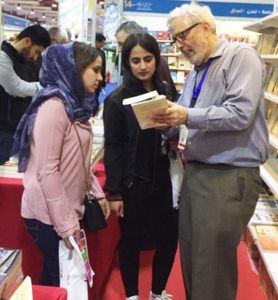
{"type": "Point", "coordinates": [50, 154]}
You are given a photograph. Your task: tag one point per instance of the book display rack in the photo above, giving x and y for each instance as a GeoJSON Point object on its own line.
{"type": "Point", "coordinates": [262, 233]}
{"type": "Point", "coordinates": [178, 65]}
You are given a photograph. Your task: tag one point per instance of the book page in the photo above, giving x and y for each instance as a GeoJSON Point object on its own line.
{"type": "Point", "coordinates": [140, 98]}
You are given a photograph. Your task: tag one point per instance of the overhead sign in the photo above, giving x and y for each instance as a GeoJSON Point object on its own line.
{"type": "Point", "coordinates": [15, 21]}
{"type": "Point", "coordinates": [219, 9]}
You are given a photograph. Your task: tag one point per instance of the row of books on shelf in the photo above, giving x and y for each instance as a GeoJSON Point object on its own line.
{"type": "Point", "coordinates": [236, 37]}
{"type": "Point", "coordinates": [11, 274]}
{"type": "Point", "coordinates": [267, 44]}
{"type": "Point", "coordinates": [178, 76]}
{"type": "Point", "coordinates": [271, 80]}
{"type": "Point", "coordinates": [264, 222]}
{"type": "Point", "coordinates": [159, 35]}
{"type": "Point", "coordinates": [178, 62]}
{"type": "Point", "coordinates": [272, 118]}
{"type": "Point", "coordinates": [167, 48]}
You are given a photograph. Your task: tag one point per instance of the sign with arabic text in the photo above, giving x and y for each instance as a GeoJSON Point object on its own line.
{"type": "Point", "coordinates": [219, 9]}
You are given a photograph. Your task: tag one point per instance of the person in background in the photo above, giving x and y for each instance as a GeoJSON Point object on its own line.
{"type": "Point", "coordinates": [128, 27]}
{"type": "Point", "coordinates": [222, 106]}
{"type": "Point", "coordinates": [48, 142]}
{"type": "Point", "coordinates": [58, 35]}
{"type": "Point", "coordinates": [18, 83]}
{"type": "Point", "coordinates": [137, 169]}
{"type": "Point", "coordinates": [100, 41]}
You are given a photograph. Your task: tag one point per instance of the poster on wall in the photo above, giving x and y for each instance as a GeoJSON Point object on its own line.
{"type": "Point", "coordinates": [72, 16]}
{"type": "Point", "coordinates": [112, 18]}
{"type": "Point", "coordinates": [245, 9]}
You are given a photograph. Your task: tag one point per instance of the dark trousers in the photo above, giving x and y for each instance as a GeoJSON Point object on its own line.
{"type": "Point", "coordinates": [140, 204]}
{"type": "Point", "coordinates": [47, 241]}
{"type": "Point", "coordinates": [6, 143]}
{"type": "Point", "coordinates": [217, 202]}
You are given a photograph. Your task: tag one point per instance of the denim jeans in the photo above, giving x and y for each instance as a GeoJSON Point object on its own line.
{"type": "Point", "coordinates": [47, 241]}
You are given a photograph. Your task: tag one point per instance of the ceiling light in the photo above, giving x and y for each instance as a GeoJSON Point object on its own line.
{"type": "Point", "coordinates": [54, 5]}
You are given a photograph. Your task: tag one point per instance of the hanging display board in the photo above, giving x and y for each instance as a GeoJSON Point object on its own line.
{"type": "Point", "coordinates": [9, 20]}
{"type": "Point", "coordinates": [219, 9]}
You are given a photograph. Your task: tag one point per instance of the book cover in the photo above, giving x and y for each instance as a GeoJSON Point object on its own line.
{"type": "Point", "coordinates": [273, 80]}
{"type": "Point", "coordinates": [24, 291]}
{"type": "Point", "coordinates": [183, 63]}
{"type": "Point", "coordinates": [174, 75]}
{"type": "Point", "coordinates": [265, 216]}
{"type": "Point", "coordinates": [267, 236]}
{"type": "Point", "coordinates": [180, 76]}
{"type": "Point", "coordinates": [172, 62]}
{"type": "Point", "coordinates": [266, 202]}
{"type": "Point", "coordinates": [145, 105]}
{"type": "Point", "coordinates": [162, 35]}
{"type": "Point", "coordinates": [10, 271]}
{"type": "Point", "coordinates": [82, 250]}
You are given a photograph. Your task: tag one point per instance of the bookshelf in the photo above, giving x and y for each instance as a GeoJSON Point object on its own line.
{"type": "Point", "coordinates": [178, 65]}
{"type": "Point", "coordinates": [262, 246]}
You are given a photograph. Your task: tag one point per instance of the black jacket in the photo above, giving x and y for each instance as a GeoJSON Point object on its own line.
{"type": "Point", "coordinates": [130, 151]}
{"type": "Point", "coordinates": [12, 108]}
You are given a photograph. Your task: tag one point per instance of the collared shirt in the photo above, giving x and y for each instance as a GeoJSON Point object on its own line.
{"type": "Point", "coordinates": [227, 124]}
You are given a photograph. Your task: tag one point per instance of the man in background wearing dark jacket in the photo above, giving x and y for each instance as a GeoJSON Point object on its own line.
{"type": "Point", "coordinates": [17, 81]}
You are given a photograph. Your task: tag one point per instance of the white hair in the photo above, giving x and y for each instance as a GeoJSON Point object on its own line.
{"type": "Point", "coordinates": [59, 34]}
{"type": "Point", "coordinates": [195, 13]}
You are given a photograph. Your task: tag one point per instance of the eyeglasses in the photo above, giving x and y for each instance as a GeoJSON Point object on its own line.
{"type": "Point", "coordinates": [180, 37]}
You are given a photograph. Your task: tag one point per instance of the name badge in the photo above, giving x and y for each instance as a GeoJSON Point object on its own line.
{"type": "Point", "coordinates": [182, 137]}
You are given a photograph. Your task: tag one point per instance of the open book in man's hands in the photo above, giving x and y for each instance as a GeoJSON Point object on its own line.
{"type": "Point", "coordinates": [145, 105]}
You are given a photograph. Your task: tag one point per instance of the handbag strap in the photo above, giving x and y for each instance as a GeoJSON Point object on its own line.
{"type": "Point", "coordinates": [83, 160]}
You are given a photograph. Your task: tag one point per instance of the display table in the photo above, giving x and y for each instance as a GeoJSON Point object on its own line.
{"type": "Point", "coordinates": [102, 244]}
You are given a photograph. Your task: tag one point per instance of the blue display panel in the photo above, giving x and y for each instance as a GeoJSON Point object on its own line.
{"type": "Point", "coordinates": [220, 9]}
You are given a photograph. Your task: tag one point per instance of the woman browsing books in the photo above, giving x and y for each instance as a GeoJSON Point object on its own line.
{"type": "Point", "coordinates": [48, 140]}
{"type": "Point", "coordinates": [137, 169]}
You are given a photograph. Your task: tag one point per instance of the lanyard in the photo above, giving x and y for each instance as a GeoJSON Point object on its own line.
{"type": "Point", "coordinates": [197, 90]}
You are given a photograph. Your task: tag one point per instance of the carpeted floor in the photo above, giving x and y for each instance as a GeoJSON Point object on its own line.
{"type": "Point", "coordinates": [249, 285]}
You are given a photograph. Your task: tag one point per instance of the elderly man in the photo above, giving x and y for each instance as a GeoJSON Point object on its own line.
{"type": "Point", "coordinates": [18, 82]}
{"type": "Point", "coordinates": [222, 113]}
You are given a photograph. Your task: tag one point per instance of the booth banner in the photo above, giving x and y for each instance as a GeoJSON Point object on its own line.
{"type": "Point", "coordinates": [15, 21]}
{"type": "Point", "coordinates": [112, 18]}
{"type": "Point", "coordinates": [219, 9]}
